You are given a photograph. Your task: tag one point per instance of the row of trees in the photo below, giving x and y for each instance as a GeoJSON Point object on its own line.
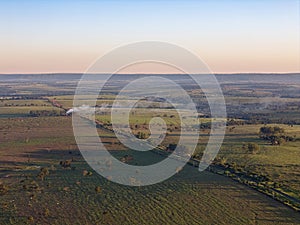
{"type": "Point", "coordinates": [276, 135]}
{"type": "Point", "coordinates": [43, 113]}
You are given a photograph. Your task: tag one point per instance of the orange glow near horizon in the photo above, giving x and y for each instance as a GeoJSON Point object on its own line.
{"type": "Point", "coordinates": [56, 62]}
{"type": "Point", "coordinates": [229, 36]}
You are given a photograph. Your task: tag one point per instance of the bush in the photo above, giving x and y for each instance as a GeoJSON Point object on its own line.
{"type": "Point", "coordinates": [66, 163]}
{"type": "Point", "coordinates": [87, 173]}
{"type": "Point", "coordinates": [30, 219]}
{"type": "Point", "coordinates": [47, 212]}
{"type": "Point", "coordinates": [98, 189]}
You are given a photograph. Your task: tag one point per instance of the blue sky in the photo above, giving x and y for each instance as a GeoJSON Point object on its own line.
{"type": "Point", "coordinates": [230, 36]}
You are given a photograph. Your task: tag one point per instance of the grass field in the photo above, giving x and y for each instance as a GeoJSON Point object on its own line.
{"type": "Point", "coordinates": [67, 196]}
{"type": "Point", "coordinates": [189, 197]}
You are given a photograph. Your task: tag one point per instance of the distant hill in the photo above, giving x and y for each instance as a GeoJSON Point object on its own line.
{"type": "Point", "coordinates": [241, 77]}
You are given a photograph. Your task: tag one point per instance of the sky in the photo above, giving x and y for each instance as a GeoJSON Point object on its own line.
{"type": "Point", "coordinates": [230, 36]}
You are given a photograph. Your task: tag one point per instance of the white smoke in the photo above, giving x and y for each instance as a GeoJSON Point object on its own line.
{"type": "Point", "coordinates": [86, 109]}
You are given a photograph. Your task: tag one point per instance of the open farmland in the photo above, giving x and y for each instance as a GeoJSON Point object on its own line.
{"type": "Point", "coordinates": [25, 107]}
{"type": "Point", "coordinates": [43, 175]}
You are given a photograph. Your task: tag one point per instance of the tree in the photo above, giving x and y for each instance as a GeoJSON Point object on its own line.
{"type": "Point", "coordinates": [3, 189]}
{"type": "Point", "coordinates": [275, 135]}
{"type": "Point", "coordinates": [223, 161]}
{"type": "Point", "coordinates": [43, 173]}
{"type": "Point", "coordinates": [266, 132]}
{"type": "Point", "coordinates": [141, 135]}
{"type": "Point", "coordinates": [253, 148]}
{"type": "Point", "coordinates": [172, 147]}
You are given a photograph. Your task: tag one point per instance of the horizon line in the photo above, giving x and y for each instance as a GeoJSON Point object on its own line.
{"type": "Point", "coordinates": [103, 73]}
